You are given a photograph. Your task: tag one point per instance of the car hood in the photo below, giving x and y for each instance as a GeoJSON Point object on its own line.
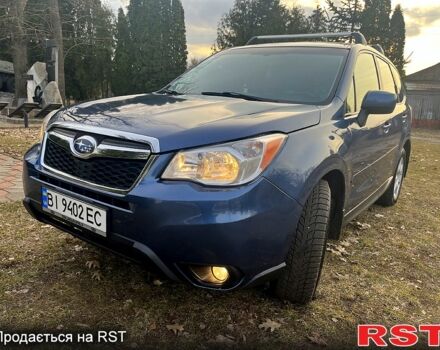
{"type": "Point", "coordinates": [180, 122]}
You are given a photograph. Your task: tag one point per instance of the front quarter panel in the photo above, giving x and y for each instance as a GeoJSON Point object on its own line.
{"type": "Point", "coordinates": [309, 155]}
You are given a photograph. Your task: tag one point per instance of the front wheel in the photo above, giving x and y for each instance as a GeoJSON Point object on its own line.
{"type": "Point", "coordinates": [390, 197]}
{"type": "Point", "coordinates": [306, 255]}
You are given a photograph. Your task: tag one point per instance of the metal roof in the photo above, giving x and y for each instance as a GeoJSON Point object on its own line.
{"type": "Point", "coordinates": [428, 74]}
{"type": "Point", "coordinates": [6, 67]}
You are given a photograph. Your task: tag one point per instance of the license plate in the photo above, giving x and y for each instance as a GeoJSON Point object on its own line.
{"type": "Point", "coordinates": [74, 210]}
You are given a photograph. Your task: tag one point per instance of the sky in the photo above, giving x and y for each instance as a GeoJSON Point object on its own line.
{"type": "Point", "coordinates": [422, 20]}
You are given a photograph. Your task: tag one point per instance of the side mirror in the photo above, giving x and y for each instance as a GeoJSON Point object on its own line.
{"type": "Point", "coordinates": [376, 102]}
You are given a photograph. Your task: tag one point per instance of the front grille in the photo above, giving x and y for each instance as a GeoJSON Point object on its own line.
{"type": "Point", "coordinates": [116, 202]}
{"type": "Point", "coordinates": [115, 173]}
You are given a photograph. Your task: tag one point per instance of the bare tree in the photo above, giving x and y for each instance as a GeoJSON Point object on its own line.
{"type": "Point", "coordinates": [194, 61]}
{"type": "Point", "coordinates": [57, 31]}
{"type": "Point", "coordinates": [19, 47]}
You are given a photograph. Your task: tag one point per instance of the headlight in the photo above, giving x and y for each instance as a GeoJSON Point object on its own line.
{"type": "Point", "coordinates": [229, 164]}
{"type": "Point", "coordinates": [44, 125]}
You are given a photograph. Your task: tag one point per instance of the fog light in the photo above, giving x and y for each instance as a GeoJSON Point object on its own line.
{"type": "Point", "coordinates": [211, 274]}
{"type": "Point", "coordinates": [220, 273]}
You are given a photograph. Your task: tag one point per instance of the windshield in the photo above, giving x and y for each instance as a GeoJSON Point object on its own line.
{"type": "Point", "coordinates": [285, 74]}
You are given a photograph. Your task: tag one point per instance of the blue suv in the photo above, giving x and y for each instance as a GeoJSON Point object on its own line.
{"type": "Point", "coordinates": [238, 171]}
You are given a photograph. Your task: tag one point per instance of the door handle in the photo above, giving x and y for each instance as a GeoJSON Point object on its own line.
{"type": "Point", "coordinates": [387, 127]}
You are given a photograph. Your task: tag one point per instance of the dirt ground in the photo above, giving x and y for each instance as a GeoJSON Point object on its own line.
{"type": "Point", "coordinates": [386, 269]}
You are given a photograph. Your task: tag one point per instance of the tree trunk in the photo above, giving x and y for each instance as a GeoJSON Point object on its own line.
{"type": "Point", "coordinates": [19, 47]}
{"type": "Point", "coordinates": [55, 19]}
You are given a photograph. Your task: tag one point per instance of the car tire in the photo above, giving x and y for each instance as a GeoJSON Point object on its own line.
{"type": "Point", "coordinates": [305, 258]}
{"type": "Point", "coordinates": [391, 196]}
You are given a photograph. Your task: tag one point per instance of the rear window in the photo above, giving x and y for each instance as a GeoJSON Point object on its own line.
{"type": "Point", "coordinates": [399, 87]}
{"type": "Point", "coordinates": [286, 74]}
{"type": "Point", "coordinates": [387, 77]}
{"type": "Point", "coordinates": [365, 76]}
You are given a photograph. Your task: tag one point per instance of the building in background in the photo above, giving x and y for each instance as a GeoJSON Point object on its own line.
{"type": "Point", "coordinates": [7, 80]}
{"type": "Point", "coordinates": [424, 96]}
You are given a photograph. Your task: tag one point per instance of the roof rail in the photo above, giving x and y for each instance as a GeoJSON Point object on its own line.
{"type": "Point", "coordinates": [379, 48]}
{"type": "Point", "coordinates": [356, 36]}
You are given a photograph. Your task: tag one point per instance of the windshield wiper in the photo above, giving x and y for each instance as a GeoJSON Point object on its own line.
{"type": "Point", "coordinates": [237, 95]}
{"type": "Point", "coordinates": [170, 92]}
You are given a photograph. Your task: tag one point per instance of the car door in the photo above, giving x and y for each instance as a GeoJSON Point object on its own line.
{"type": "Point", "coordinates": [392, 123]}
{"type": "Point", "coordinates": [366, 148]}
{"type": "Point", "coordinates": [403, 111]}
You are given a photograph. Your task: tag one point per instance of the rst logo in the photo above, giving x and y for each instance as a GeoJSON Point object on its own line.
{"type": "Point", "coordinates": [402, 335]}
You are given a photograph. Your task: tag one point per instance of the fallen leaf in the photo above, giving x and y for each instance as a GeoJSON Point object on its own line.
{"type": "Point", "coordinates": [334, 251]}
{"type": "Point", "coordinates": [175, 328]}
{"type": "Point", "coordinates": [340, 276]}
{"type": "Point", "coordinates": [349, 297]}
{"type": "Point", "coordinates": [93, 264]}
{"type": "Point", "coordinates": [362, 226]}
{"type": "Point", "coordinates": [316, 338]}
{"type": "Point", "coordinates": [221, 339]}
{"type": "Point", "coordinates": [345, 243]}
{"type": "Point", "coordinates": [379, 216]}
{"type": "Point", "coordinates": [97, 276]}
{"type": "Point", "coordinates": [83, 325]}
{"type": "Point", "coordinates": [21, 291]}
{"type": "Point", "coordinates": [269, 325]}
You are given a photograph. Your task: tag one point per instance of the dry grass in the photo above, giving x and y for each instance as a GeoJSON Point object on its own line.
{"type": "Point", "coordinates": [14, 142]}
{"type": "Point", "coordinates": [387, 273]}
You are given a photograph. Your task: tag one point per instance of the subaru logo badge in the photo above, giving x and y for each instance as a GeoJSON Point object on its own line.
{"type": "Point", "coordinates": [84, 146]}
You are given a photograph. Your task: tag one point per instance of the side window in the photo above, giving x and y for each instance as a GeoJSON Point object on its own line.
{"type": "Point", "coordinates": [399, 88]}
{"type": "Point", "coordinates": [365, 77]}
{"type": "Point", "coordinates": [351, 99]}
{"type": "Point", "coordinates": [387, 77]}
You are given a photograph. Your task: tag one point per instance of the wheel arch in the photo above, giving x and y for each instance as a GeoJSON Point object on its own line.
{"type": "Point", "coordinates": [334, 171]}
{"type": "Point", "coordinates": [336, 181]}
{"type": "Point", "coordinates": [407, 147]}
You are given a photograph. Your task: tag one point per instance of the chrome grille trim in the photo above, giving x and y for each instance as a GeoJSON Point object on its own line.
{"type": "Point", "coordinates": [65, 140]}
{"type": "Point", "coordinates": [124, 135]}
{"type": "Point", "coordinates": [104, 149]}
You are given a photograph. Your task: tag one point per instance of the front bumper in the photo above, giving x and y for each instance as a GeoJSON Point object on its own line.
{"type": "Point", "coordinates": [176, 224]}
